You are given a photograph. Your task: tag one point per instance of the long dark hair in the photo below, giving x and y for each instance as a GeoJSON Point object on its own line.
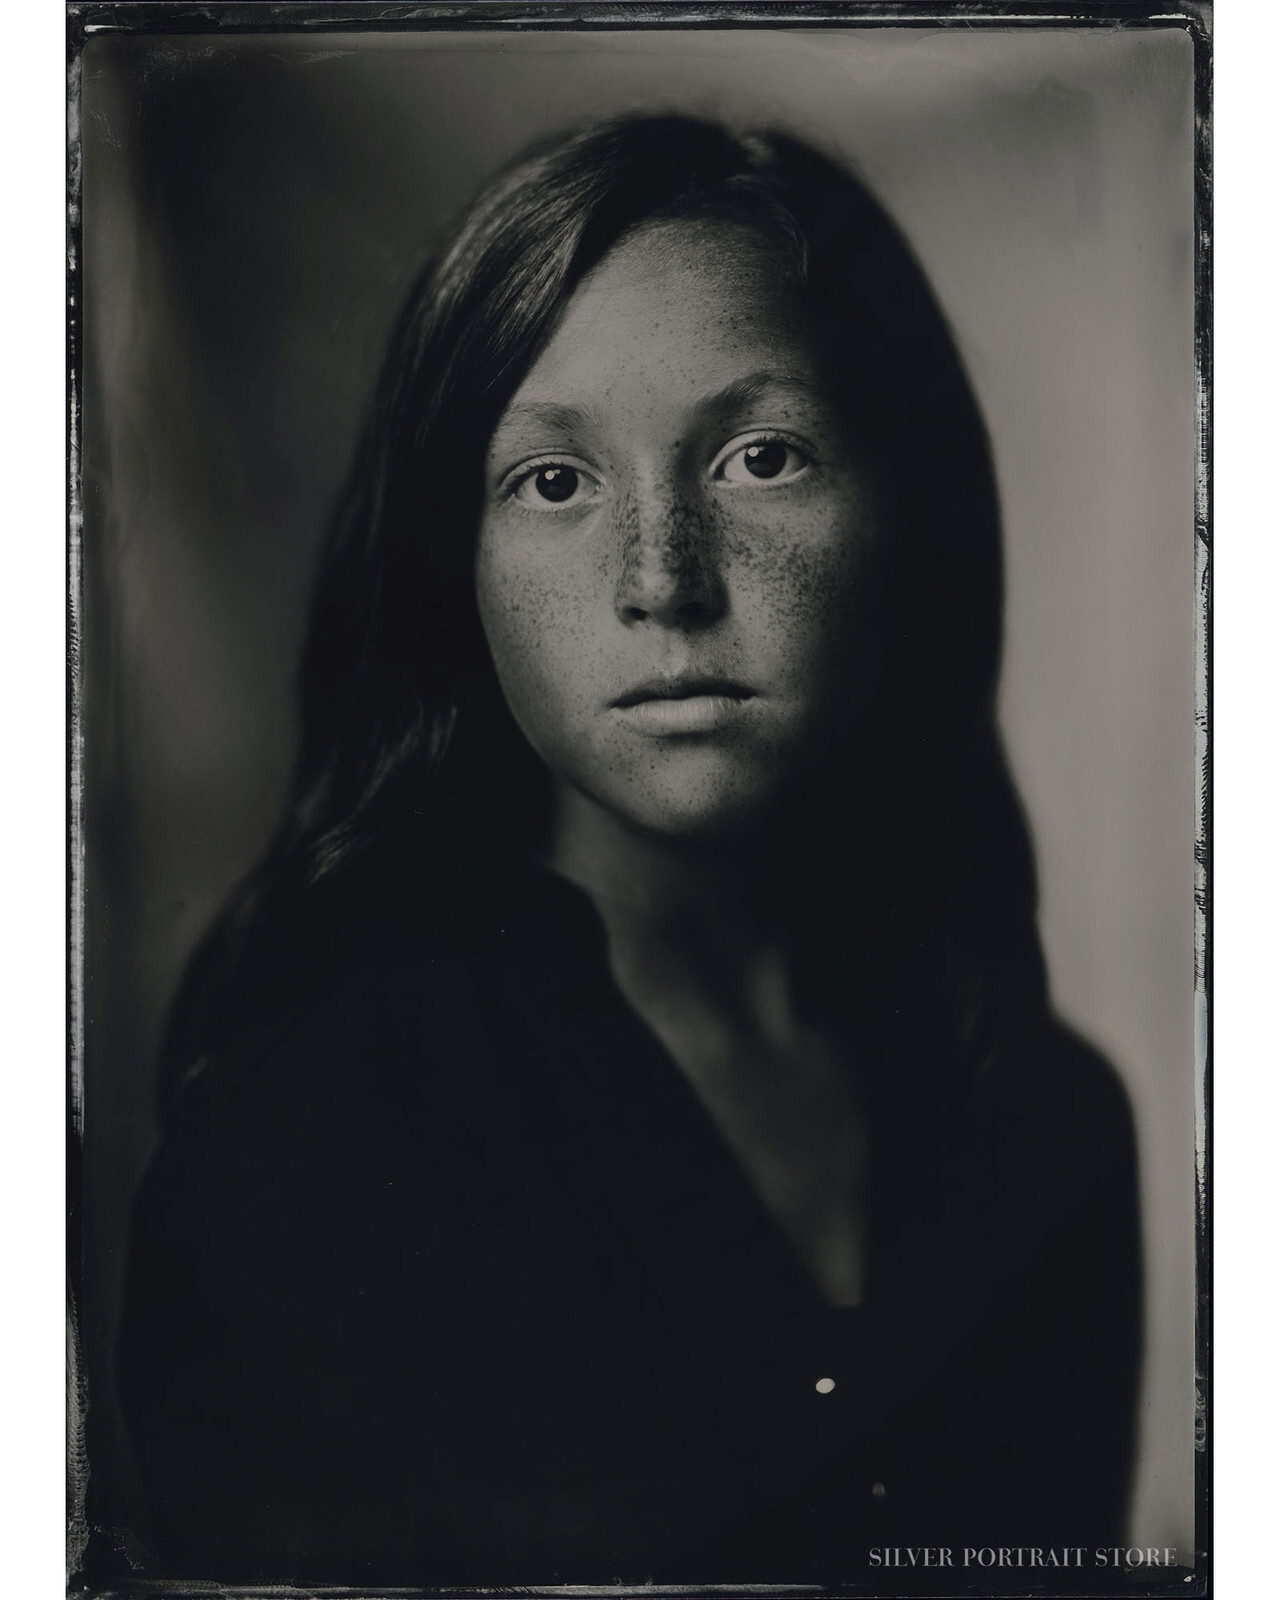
{"type": "Point", "coordinates": [406, 748]}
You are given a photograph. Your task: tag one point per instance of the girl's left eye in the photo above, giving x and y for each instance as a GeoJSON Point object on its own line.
{"type": "Point", "coordinates": [554, 486]}
{"type": "Point", "coordinates": [762, 461]}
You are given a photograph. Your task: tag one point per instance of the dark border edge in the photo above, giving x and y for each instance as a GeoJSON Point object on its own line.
{"type": "Point", "coordinates": [91, 18]}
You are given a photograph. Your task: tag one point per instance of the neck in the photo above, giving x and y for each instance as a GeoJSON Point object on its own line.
{"type": "Point", "coordinates": [705, 907]}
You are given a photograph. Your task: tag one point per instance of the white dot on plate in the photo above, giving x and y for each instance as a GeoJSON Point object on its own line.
{"type": "Point", "coordinates": [825, 1385]}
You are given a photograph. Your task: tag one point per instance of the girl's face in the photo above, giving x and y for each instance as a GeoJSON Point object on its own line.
{"type": "Point", "coordinates": [674, 547]}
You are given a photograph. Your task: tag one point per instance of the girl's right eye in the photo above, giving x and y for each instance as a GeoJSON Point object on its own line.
{"type": "Point", "coordinates": [554, 486]}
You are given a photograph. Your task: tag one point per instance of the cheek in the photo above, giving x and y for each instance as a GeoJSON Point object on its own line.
{"type": "Point", "coordinates": [801, 583]}
{"type": "Point", "coordinates": [533, 622]}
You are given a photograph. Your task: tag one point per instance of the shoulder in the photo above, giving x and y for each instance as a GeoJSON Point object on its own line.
{"type": "Point", "coordinates": [392, 1026]}
{"type": "Point", "coordinates": [367, 1074]}
{"type": "Point", "coordinates": [1057, 1134]}
{"type": "Point", "coordinates": [367, 981]}
{"type": "Point", "coordinates": [380, 1001]}
{"type": "Point", "coordinates": [1065, 1094]}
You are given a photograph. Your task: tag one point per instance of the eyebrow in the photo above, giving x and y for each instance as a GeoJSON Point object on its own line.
{"type": "Point", "coordinates": [737, 396]}
{"type": "Point", "coordinates": [743, 393]}
{"type": "Point", "coordinates": [560, 419]}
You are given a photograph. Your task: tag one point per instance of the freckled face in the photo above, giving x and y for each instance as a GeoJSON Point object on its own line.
{"type": "Point", "coordinates": [675, 540]}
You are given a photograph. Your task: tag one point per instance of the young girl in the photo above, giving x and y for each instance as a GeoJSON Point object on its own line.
{"type": "Point", "coordinates": [618, 1132]}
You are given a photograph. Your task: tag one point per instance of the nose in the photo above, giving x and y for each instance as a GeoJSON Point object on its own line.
{"type": "Point", "coordinates": [669, 568]}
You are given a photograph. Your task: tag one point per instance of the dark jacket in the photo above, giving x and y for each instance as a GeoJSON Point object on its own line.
{"type": "Point", "coordinates": [443, 1275]}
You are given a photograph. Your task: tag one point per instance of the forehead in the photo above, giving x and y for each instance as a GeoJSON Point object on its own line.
{"type": "Point", "coordinates": [673, 305]}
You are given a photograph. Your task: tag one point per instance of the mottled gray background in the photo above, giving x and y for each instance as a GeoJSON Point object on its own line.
{"type": "Point", "coordinates": [254, 209]}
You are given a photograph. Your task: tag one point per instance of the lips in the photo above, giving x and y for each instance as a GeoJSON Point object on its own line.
{"type": "Point", "coordinates": [683, 688]}
{"type": "Point", "coordinates": [680, 706]}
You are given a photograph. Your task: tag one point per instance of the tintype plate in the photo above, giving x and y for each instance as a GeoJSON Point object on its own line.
{"type": "Point", "coordinates": [639, 957]}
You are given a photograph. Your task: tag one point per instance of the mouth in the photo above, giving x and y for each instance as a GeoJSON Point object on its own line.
{"type": "Point", "coordinates": [684, 705]}
{"type": "Point", "coordinates": [683, 688]}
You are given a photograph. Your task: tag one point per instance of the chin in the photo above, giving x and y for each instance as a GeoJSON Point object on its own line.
{"type": "Point", "coordinates": [698, 815]}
